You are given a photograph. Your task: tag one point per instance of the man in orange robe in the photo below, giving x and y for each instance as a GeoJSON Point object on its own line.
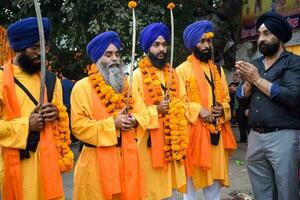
{"type": "Point", "coordinates": [210, 136]}
{"type": "Point", "coordinates": [108, 166]}
{"type": "Point", "coordinates": [29, 162]}
{"type": "Point", "coordinates": [164, 176]}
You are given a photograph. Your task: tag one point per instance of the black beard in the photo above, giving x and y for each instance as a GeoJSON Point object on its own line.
{"type": "Point", "coordinates": [268, 49]}
{"type": "Point", "coordinates": [27, 65]}
{"type": "Point", "coordinates": [203, 56]}
{"type": "Point", "coordinates": [159, 63]}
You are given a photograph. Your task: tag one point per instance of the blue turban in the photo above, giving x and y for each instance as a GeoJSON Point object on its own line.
{"type": "Point", "coordinates": [151, 32]}
{"type": "Point", "coordinates": [98, 45]}
{"type": "Point", "coordinates": [24, 33]}
{"type": "Point", "coordinates": [194, 32]}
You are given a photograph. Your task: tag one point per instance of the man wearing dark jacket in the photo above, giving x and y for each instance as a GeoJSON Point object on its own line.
{"type": "Point", "coordinates": [272, 82]}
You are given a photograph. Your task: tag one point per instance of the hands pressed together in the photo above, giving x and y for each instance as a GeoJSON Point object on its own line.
{"type": "Point", "coordinates": [247, 71]}
{"type": "Point", "coordinates": [125, 121]}
{"type": "Point", "coordinates": [210, 116]}
{"type": "Point", "coordinates": [41, 114]}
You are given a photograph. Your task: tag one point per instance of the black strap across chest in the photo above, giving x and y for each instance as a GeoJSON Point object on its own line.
{"type": "Point", "coordinates": [50, 84]}
{"type": "Point", "coordinates": [212, 84]}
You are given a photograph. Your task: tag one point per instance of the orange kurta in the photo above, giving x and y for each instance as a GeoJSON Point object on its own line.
{"type": "Point", "coordinates": [160, 181]}
{"type": "Point", "coordinates": [14, 134]}
{"type": "Point", "coordinates": [215, 166]}
{"type": "Point", "coordinates": [100, 133]}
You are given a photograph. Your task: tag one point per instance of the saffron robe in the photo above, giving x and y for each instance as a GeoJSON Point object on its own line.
{"type": "Point", "coordinates": [202, 177]}
{"type": "Point", "coordinates": [161, 181]}
{"type": "Point", "coordinates": [14, 133]}
{"type": "Point", "coordinates": [100, 133]}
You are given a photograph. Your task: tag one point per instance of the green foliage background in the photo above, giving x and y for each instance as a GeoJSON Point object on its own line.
{"type": "Point", "coordinates": [76, 22]}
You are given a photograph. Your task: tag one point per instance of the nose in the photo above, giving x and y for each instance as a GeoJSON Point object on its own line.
{"type": "Point", "coordinates": [113, 57]}
{"type": "Point", "coordinates": [206, 44]}
{"type": "Point", "coordinates": [160, 47]}
{"type": "Point", "coordinates": [261, 38]}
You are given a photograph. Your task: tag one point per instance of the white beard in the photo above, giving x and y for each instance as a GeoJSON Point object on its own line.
{"type": "Point", "coordinates": [113, 75]}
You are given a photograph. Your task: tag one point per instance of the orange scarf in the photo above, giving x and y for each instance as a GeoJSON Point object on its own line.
{"type": "Point", "coordinates": [51, 178]}
{"type": "Point", "coordinates": [157, 135]}
{"type": "Point", "coordinates": [116, 176]}
{"type": "Point", "coordinates": [199, 151]}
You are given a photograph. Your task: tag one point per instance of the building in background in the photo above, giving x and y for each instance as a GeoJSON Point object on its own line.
{"type": "Point", "coordinates": [252, 9]}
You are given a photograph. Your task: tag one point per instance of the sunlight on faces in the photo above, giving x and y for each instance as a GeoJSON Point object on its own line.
{"type": "Point", "coordinates": [268, 43]}
{"type": "Point", "coordinates": [111, 68]}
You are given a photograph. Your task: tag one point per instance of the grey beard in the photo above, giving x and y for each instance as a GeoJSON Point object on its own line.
{"type": "Point", "coordinates": [113, 75]}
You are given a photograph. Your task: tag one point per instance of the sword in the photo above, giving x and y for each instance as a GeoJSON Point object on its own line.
{"type": "Point", "coordinates": [42, 49]}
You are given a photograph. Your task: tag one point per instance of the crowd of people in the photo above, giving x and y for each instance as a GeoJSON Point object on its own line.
{"type": "Point", "coordinates": [167, 132]}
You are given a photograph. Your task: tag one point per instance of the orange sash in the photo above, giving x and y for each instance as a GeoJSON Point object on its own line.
{"type": "Point", "coordinates": [199, 150]}
{"type": "Point", "coordinates": [117, 176]}
{"type": "Point", "coordinates": [157, 135]}
{"type": "Point", "coordinates": [51, 178]}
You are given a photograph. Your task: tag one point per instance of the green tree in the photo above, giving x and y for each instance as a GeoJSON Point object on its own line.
{"type": "Point", "coordinates": [75, 22]}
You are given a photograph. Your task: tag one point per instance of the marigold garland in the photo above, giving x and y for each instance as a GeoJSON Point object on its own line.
{"type": "Point", "coordinates": [175, 127]}
{"type": "Point", "coordinates": [175, 123]}
{"type": "Point", "coordinates": [194, 94]}
{"type": "Point", "coordinates": [113, 101]}
{"type": "Point", "coordinates": [61, 133]}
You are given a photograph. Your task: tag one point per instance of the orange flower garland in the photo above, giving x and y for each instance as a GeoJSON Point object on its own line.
{"type": "Point", "coordinates": [61, 133]}
{"type": "Point", "coordinates": [175, 127]}
{"type": "Point", "coordinates": [194, 94]}
{"type": "Point", "coordinates": [113, 101]}
{"type": "Point", "coordinates": [151, 79]}
{"type": "Point", "coordinates": [175, 123]}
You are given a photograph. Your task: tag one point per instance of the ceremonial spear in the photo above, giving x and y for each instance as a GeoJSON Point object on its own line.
{"type": "Point", "coordinates": [42, 49]}
{"type": "Point", "coordinates": [171, 6]}
{"type": "Point", "coordinates": [131, 5]}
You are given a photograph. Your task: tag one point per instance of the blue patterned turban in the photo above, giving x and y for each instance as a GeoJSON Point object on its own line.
{"type": "Point", "coordinates": [98, 45]}
{"type": "Point", "coordinates": [151, 32]}
{"type": "Point", "coordinates": [194, 32]}
{"type": "Point", "coordinates": [24, 33]}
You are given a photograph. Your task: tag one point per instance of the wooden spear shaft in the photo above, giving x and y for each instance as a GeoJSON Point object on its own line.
{"type": "Point", "coordinates": [132, 59]}
{"type": "Point", "coordinates": [172, 52]}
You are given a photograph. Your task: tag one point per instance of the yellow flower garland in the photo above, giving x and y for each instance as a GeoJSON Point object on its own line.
{"type": "Point", "coordinates": [194, 94]}
{"type": "Point", "coordinates": [113, 101]}
{"type": "Point", "coordinates": [175, 123]}
{"type": "Point", "coordinates": [61, 133]}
